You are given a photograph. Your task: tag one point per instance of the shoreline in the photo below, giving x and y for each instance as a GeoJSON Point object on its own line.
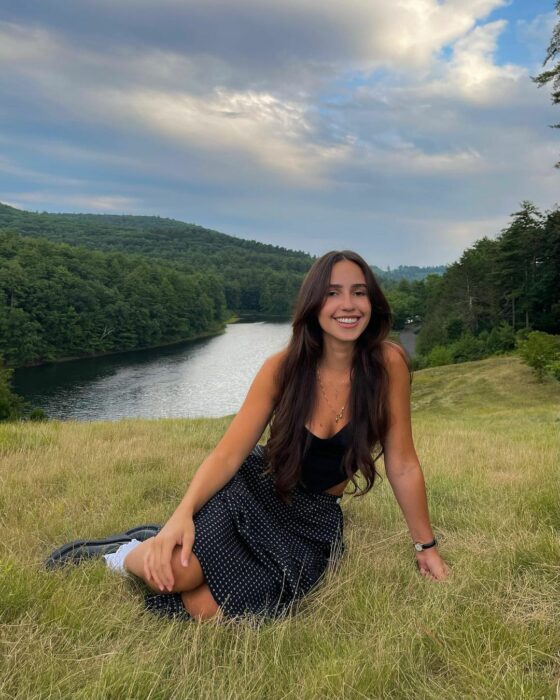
{"type": "Point", "coordinates": [61, 360]}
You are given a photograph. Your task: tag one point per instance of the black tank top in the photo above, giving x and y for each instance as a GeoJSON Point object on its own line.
{"type": "Point", "coordinates": [322, 462]}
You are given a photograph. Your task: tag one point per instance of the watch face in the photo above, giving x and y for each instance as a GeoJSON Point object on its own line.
{"type": "Point", "coordinates": [418, 547]}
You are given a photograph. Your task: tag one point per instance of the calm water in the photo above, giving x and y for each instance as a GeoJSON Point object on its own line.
{"type": "Point", "coordinates": [204, 378]}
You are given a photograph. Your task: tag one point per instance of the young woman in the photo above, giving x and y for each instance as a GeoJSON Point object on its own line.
{"type": "Point", "coordinates": [259, 525]}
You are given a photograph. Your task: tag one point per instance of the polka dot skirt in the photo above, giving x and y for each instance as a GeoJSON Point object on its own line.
{"type": "Point", "coordinates": [168, 605]}
{"type": "Point", "coordinates": [258, 554]}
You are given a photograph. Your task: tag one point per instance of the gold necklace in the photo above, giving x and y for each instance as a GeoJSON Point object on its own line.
{"type": "Point", "coordinates": [337, 414]}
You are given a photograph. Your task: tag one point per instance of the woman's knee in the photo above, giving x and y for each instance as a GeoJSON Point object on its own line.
{"type": "Point", "coordinates": [186, 578]}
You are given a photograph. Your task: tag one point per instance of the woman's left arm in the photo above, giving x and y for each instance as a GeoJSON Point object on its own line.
{"type": "Point", "coordinates": [403, 467]}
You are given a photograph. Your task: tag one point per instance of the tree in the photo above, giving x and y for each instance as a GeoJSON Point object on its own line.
{"type": "Point", "coordinates": [553, 74]}
{"type": "Point", "coordinates": [519, 262]}
{"type": "Point", "coordinates": [11, 404]}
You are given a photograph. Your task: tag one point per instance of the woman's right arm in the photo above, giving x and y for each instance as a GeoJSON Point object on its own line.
{"type": "Point", "coordinates": [216, 470]}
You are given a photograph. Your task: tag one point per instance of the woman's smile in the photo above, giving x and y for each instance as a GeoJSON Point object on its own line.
{"type": "Point", "coordinates": [347, 321]}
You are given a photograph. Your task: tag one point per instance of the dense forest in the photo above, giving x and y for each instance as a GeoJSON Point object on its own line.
{"type": "Point", "coordinates": [254, 277]}
{"type": "Point", "coordinates": [73, 285]}
{"type": "Point", "coordinates": [498, 290]}
{"type": "Point", "coordinates": [104, 284]}
{"type": "Point", "coordinates": [59, 301]}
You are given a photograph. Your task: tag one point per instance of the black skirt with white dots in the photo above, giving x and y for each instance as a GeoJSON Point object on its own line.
{"type": "Point", "coordinates": [258, 554]}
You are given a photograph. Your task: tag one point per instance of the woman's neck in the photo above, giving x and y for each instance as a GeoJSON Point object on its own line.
{"type": "Point", "coordinates": [336, 357]}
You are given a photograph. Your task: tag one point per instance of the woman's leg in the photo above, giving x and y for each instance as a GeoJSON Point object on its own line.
{"type": "Point", "coordinates": [186, 578]}
{"type": "Point", "coordinates": [200, 602]}
{"type": "Point", "coordinates": [189, 582]}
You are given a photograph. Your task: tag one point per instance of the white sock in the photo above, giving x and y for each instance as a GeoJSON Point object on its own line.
{"type": "Point", "coordinates": [115, 561]}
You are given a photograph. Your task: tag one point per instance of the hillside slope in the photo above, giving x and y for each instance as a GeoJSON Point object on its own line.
{"type": "Point", "coordinates": [486, 434]}
{"type": "Point", "coordinates": [186, 245]}
{"type": "Point", "coordinates": [152, 236]}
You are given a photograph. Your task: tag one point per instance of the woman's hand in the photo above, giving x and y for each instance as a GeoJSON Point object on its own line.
{"type": "Point", "coordinates": [431, 565]}
{"type": "Point", "coordinates": [178, 531]}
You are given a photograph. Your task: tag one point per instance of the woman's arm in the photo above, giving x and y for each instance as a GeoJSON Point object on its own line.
{"type": "Point", "coordinates": [215, 471]}
{"type": "Point", "coordinates": [403, 467]}
{"type": "Point", "coordinates": [237, 442]}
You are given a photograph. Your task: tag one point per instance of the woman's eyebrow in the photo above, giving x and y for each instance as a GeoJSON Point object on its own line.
{"type": "Point", "coordinates": [352, 286]}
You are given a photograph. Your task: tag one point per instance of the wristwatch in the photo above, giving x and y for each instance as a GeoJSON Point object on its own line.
{"type": "Point", "coordinates": [419, 547]}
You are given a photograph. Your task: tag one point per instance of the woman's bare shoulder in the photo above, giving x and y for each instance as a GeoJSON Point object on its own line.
{"type": "Point", "coordinates": [278, 357]}
{"type": "Point", "coordinates": [393, 354]}
{"type": "Point", "coordinates": [272, 365]}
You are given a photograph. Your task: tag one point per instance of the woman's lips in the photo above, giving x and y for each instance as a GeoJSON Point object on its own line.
{"type": "Point", "coordinates": [347, 321]}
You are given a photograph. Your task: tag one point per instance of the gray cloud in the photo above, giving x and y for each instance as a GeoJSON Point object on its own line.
{"type": "Point", "coordinates": [298, 122]}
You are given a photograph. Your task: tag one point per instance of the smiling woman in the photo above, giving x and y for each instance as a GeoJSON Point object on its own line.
{"type": "Point", "coordinates": [260, 524]}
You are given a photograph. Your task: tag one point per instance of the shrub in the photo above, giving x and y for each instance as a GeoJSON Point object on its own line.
{"type": "Point", "coordinates": [418, 362]}
{"type": "Point", "coordinates": [37, 414]}
{"type": "Point", "coordinates": [521, 334]}
{"type": "Point", "coordinates": [468, 347]}
{"type": "Point", "coordinates": [455, 328]}
{"type": "Point", "coordinates": [541, 351]}
{"type": "Point", "coordinates": [553, 368]}
{"type": "Point", "coordinates": [439, 355]}
{"type": "Point", "coordinates": [500, 339]}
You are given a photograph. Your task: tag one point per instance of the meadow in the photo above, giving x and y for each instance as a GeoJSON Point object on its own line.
{"type": "Point", "coordinates": [487, 436]}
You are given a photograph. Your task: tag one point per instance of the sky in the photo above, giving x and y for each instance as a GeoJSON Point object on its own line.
{"type": "Point", "coordinates": [404, 130]}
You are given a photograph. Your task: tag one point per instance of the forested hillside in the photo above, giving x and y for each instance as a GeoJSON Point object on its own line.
{"type": "Point", "coordinates": [255, 277]}
{"type": "Point", "coordinates": [509, 282]}
{"type": "Point", "coordinates": [60, 301]}
{"type": "Point", "coordinates": [73, 285]}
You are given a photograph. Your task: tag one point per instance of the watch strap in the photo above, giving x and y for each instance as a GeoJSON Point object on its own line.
{"type": "Point", "coordinates": [420, 546]}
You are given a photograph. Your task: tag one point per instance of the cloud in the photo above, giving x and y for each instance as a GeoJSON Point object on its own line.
{"type": "Point", "coordinates": [291, 120]}
{"type": "Point", "coordinates": [259, 40]}
{"type": "Point", "coordinates": [14, 170]}
{"type": "Point", "coordinates": [24, 46]}
{"type": "Point", "coordinates": [100, 203]}
{"type": "Point", "coordinates": [471, 73]}
{"type": "Point", "coordinates": [270, 133]}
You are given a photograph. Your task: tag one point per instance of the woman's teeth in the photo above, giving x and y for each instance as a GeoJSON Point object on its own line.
{"type": "Point", "coordinates": [347, 321]}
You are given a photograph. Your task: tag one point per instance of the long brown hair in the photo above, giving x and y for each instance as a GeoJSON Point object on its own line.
{"type": "Point", "coordinates": [297, 382]}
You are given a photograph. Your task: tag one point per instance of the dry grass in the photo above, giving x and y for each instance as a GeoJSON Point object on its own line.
{"type": "Point", "coordinates": [487, 436]}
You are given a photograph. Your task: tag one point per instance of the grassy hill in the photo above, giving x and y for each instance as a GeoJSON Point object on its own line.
{"type": "Point", "coordinates": [486, 434]}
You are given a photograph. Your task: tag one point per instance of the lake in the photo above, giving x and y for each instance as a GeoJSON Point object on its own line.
{"type": "Point", "coordinates": [202, 378]}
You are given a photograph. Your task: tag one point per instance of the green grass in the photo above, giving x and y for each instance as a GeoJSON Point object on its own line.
{"type": "Point", "coordinates": [487, 435]}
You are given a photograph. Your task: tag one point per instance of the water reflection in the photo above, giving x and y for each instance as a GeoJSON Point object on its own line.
{"type": "Point", "coordinates": [208, 377]}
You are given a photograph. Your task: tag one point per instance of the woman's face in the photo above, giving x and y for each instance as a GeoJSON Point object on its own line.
{"type": "Point", "coordinates": [346, 310]}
